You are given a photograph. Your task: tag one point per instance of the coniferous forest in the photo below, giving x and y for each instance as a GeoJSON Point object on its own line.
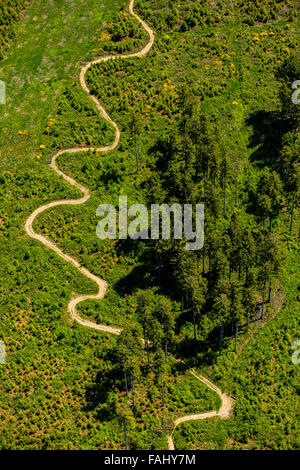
{"type": "Point", "coordinates": [207, 109]}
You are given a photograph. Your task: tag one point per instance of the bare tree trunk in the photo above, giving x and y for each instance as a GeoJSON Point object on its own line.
{"type": "Point", "coordinates": [125, 434]}
{"type": "Point", "coordinates": [166, 350]}
{"type": "Point", "coordinates": [194, 323]}
{"type": "Point", "coordinates": [269, 294]}
{"type": "Point", "coordinates": [198, 260]}
{"type": "Point", "coordinates": [136, 156]}
{"type": "Point", "coordinates": [292, 214]}
{"type": "Point", "coordinates": [236, 332]}
{"type": "Point", "coordinates": [221, 336]}
{"type": "Point", "coordinates": [125, 377]}
{"type": "Point", "coordinates": [148, 352]}
{"type": "Point", "coordinates": [132, 389]}
{"type": "Point", "coordinates": [236, 190]}
{"type": "Point", "coordinates": [263, 302]}
{"type": "Point", "coordinates": [163, 389]}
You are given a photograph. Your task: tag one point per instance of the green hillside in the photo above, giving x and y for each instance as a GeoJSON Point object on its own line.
{"type": "Point", "coordinates": [208, 117]}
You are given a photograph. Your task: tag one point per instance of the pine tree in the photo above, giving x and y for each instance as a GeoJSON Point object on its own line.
{"type": "Point", "coordinates": [160, 370]}
{"type": "Point", "coordinates": [289, 158]}
{"type": "Point", "coordinates": [144, 314]}
{"type": "Point", "coordinates": [135, 127]}
{"type": "Point", "coordinates": [221, 307]}
{"type": "Point", "coordinates": [166, 316]}
{"type": "Point", "coordinates": [125, 418]}
{"type": "Point", "coordinates": [269, 195]}
{"type": "Point", "coordinates": [129, 352]}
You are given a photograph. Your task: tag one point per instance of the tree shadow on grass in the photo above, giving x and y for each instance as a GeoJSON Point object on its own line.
{"type": "Point", "coordinates": [268, 130]}
{"type": "Point", "coordinates": [100, 397]}
{"type": "Point", "coordinates": [202, 352]}
{"type": "Point", "coordinates": [145, 273]}
{"type": "Point", "coordinates": [132, 281]}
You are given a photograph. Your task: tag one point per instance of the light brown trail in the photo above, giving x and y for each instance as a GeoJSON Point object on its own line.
{"type": "Point", "coordinates": [224, 412]}
{"type": "Point", "coordinates": [102, 285]}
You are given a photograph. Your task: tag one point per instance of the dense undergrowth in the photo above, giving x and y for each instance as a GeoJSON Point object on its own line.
{"type": "Point", "coordinates": [264, 381]}
{"type": "Point", "coordinates": [224, 68]}
{"type": "Point", "coordinates": [10, 13]}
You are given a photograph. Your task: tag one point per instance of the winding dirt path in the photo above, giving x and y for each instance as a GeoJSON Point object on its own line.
{"type": "Point", "coordinates": [102, 285]}
{"type": "Point", "coordinates": [227, 402]}
{"type": "Point", "coordinates": [224, 412]}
